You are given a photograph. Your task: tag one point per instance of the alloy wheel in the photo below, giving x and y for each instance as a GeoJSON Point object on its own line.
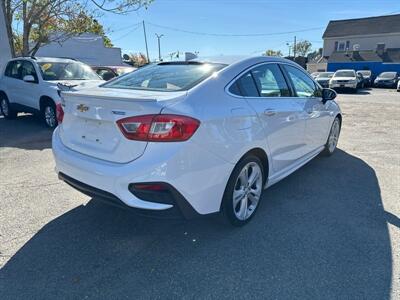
{"type": "Point", "coordinates": [50, 116]}
{"type": "Point", "coordinates": [4, 107]}
{"type": "Point", "coordinates": [247, 191]}
{"type": "Point", "coordinates": [334, 136]}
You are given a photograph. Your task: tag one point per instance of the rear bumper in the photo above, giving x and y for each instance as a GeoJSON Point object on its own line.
{"type": "Point", "coordinates": [181, 208]}
{"type": "Point", "coordinates": [197, 177]}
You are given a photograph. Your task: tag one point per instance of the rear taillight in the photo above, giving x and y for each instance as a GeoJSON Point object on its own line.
{"type": "Point", "coordinates": [158, 128]}
{"type": "Point", "coordinates": [59, 113]}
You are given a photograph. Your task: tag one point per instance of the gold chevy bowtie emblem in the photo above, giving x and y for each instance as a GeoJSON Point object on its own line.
{"type": "Point", "coordinates": [82, 107]}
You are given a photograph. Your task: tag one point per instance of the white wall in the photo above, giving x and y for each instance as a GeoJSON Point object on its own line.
{"type": "Point", "coordinates": [365, 42]}
{"type": "Point", "coordinates": [5, 52]}
{"type": "Point", "coordinates": [88, 48]}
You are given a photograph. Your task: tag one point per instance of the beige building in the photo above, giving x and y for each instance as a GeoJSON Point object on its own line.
{"type": "Point", "coordinates": [362, 34]}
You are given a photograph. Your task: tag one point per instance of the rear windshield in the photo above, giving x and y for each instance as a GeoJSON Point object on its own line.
{"type": "Point", "coordinates": [388, 75]}
{"type": "Point", "coordinates": [345, 74]}
{"type": "Point", "coordinates": [166, 77]}
{"type": "Point", "coordinates": [365, 73]}
{"type": "Point", "coordinates": [325, 75]}
{"type": "Point", "coordinates": [67, 71]}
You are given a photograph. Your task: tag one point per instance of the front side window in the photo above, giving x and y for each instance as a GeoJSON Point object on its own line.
{"type": "Point", "coordinates": [13, 69]}
{"type": "Point", "coordinates": [270, 81]}
{"type": "Point", "coordinates": [303, 85]}
{"type": "Point", "coordinates": [66, 71]}
{"type": "Point", "coordinates": [28, 69]}
{"type": "Point", "coordinates": [166, 77]}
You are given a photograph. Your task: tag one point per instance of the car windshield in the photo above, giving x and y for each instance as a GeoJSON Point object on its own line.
{"type": "Point", "coordinates": [67, 71]}
{"type": "Point", "coordinates": [388, 75]}
{"type": "Point", "coordinates": [166, 76]}
{"type": "Point", "coordinates": [345, 74]}
{"type": "Point", "coordinates": [365, 73]}
{"type": "Point", "coordinates": [325, 75]}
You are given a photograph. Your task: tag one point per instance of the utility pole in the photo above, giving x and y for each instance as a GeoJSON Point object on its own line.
{"type": "Point", "coordinates": [294, 48]}
{"type": "Point", "coordinates": [290, 47]}
{"type": "Point", "coordinates": [145, 41]}
{"type": "Point", "coordinates": [159, 47]}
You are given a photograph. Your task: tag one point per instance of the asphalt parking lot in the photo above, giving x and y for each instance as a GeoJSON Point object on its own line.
{"type": "Point", "coordinates": [330, 231]}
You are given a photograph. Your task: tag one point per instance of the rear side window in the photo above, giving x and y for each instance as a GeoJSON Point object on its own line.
{"type": "Point", "coordinates": [263, 81]}
{"type": "Point", "coordinates": [14, 69]}
{"type": "Point", "coordinates": [245, 86]}
{"type": "Point", "coordinates": [303, 85]}
{"type": "Point", "coordinates": [270, 81]}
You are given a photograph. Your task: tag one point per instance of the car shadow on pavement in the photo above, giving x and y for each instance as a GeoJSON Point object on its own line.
{"type": "Point", "coordinates": [25, 132]}
{"type": "Point", "coordinates": [320, 233]}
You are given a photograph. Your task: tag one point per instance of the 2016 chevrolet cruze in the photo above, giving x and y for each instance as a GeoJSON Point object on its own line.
{"type": "Point", "coordinates": [194, 137]}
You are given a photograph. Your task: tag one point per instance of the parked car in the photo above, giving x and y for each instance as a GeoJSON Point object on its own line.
{"type": "Point", "coordinates": [315, 74]}
{"type": "Point", "coordinates": [367, 75]}
{"type": "Point", "coordinates": [323, 78]}
{"type": "Point", "coordinates": [345, 79]}
{"type": "Point", "coordinates": [199, 137]}
{"type": "Point", "coordinates": [110, 72]}
{"type": "Point", "coordinates": [30, 84]}
{"type": "Point", "coordinates": [398, 86]}
{"type": "Point", "coordinates": [387, 79]}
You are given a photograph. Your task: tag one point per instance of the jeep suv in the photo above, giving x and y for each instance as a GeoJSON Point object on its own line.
{"type": "Point", "coordinates": [32, 85]}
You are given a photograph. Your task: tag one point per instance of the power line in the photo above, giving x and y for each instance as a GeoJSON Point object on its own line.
{"type": "Point", "coordinates": [233, 34]}
{"type": "Point", "coordinates": [129, 32]}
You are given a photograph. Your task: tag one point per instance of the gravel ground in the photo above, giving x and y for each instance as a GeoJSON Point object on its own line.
{"type": "Point", "coordinates": [331, 230]}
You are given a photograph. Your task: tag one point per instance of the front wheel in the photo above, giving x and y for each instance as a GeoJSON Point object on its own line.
{"type": "Point", "coordinates": [333, 138]}
{"type": "Point", "coordinates": [49, 115]}
{"type": "Point", "coordinates": [6, 109]}
{"type": "Point", "coordinates": [243, 191]}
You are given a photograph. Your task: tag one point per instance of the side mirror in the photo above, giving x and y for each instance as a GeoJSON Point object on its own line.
{"type": "Point", "coordinates": [328, 95]}
{"type": "Point", "coordinates": [29, 78]}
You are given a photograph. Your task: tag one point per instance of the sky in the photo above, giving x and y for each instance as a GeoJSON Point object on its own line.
{"type": "Point", "coordinates": [211, 27]}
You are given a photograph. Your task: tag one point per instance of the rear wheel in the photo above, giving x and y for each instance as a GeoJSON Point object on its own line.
{"type": "Point", "coordinates": [49, 115]}
{"type": "Point", "coordinates": [243, 191]}
{"type": "Point", "coordinates": [6, 109]}
{"type": "Point", "coordinates": [333, 138]}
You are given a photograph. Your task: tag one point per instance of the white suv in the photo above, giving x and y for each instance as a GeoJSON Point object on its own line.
{"type": "Point", "coordinates": [30, 84]}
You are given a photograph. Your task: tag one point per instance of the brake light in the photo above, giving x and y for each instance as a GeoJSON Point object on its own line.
{"type": "Point", "coordinates": [158, 128]}
{"type": "Point", "coordinates": [59, 113]}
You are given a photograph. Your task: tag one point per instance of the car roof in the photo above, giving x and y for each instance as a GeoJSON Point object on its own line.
{"type": "Point", "coordinates": [232, 59]}
{"type": "Point", "coordinates": [46, 59]}
{"type": "Point", "coordinates": [346, 70]}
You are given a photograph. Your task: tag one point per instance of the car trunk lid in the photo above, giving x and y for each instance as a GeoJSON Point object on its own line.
{"type": "Point", "coordinates": [89, 125]}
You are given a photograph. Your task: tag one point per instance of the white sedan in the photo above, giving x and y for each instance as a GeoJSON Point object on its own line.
{"type": "Point", "coordinates": [195, 137]}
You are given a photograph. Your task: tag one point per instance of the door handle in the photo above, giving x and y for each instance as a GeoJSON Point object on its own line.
{"type": "Point", "coordinates": [269, 112]}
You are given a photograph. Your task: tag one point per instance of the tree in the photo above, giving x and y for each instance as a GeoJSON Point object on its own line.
{"type": "Point", "coordinates": [273, 53]}
{"type": "Point", "coordinates": [303, 48]}
{"type": "Point", "coordinates": [138, 59]}
{"type": "Point", "coordinates": [44, 21]}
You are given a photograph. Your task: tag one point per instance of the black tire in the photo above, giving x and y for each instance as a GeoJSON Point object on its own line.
{"type": "Point", "coordinates": [6, 109]}
{"type": "Point", "coordinates": [227, 200]}
{"type": "Point", "coordinates": [49, 115]}
{"type": "Point", "coordinates": [328, 151]}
